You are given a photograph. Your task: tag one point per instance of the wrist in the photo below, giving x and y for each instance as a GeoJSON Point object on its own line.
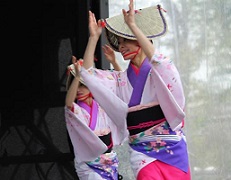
{"type": "Point", "coordinates": [77, 77]}
{"type": "Point", "coordinates": [94, 37]}
{"type": "Point", "coordinates": [132, 25]}
{"type": "Point", "coordinates": [114, 62]}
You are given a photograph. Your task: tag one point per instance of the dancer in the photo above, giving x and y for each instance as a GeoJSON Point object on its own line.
{"type": "Point", "coordinates": [92, 133]}
{"type": "Point", "coordinates": [150, 87]}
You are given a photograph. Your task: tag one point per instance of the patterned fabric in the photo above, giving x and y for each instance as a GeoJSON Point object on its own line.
{"type": "Point", "coordinates": [93, 111]}
{"type": "Point", "coordinates": [90, 160]}
{"type": "Point", "coordinates": [165, 141]}
{"type": "Point", "coordinates": [106, 166]}
{"type": "Point", "coordinates": [160, 142]}
{"type": "Point", "coordinates": [163, 85]}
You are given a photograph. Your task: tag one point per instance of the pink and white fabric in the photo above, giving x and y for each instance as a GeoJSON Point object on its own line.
{"type": "Point", "coordinates": [161, 85]}
{"type": "Point", "coordinates": [84, 130]}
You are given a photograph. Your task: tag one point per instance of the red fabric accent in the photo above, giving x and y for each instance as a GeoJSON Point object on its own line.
{"type": "Point", "coordinates": [80, 62]}
{"type": "Point", "coordinates": [146, 124]}
{"type": "Point", "coordinates": [103, 24]}
{"type": "Point", "coordinates": [111, 144]}
{"type": "Point", "coordinates": [85, 96]}
{"type": "Point", "coordinates": [158, 170]}
{"type": "Point", "coordinates": [136, 69]}
{"type": "Point", "coordinates": [182, 123]}
{"type": "Point", "coordinates": [72, 108]}
{"type": "Point", "coordinates": [134, 52]}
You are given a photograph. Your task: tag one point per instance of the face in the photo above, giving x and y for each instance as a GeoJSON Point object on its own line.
{"type": "Point", "coordinates": [128, 48]}
{"type": "Point", "coordinates": [82, 92]}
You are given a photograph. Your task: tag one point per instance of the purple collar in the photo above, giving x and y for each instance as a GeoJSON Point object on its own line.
{"type": "Point", "coordinates": [138, 81]}
{"type": "Point", "coordinates": [93, 111]}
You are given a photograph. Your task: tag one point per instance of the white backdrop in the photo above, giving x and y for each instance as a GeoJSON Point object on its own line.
{"type": "Point", "coordinates": [199, 43]}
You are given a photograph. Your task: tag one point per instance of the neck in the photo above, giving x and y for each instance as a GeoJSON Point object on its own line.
{"type": "Point", "coordinates": [88, 101]}
{"type": "Point", "coordinates": [138, 60]}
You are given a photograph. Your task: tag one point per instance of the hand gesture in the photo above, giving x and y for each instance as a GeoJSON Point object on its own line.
{"type": "Point", "coordinates": [77, 64]}
{"type": "Point", "coordinates": [95, 28]}
{"type": "Point", "coordinates": [109, 53]}
{"type": "Point", "coordinates": [129, 15]}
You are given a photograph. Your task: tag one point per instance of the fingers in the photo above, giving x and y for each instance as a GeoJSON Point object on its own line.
{"type": "Point", "coordinates": [89, 16]}
{"type": "Point", "coordinates": [92, 17]}
{"type": "Point", "coordinates": [131, 7]}
{"type": "Point", "coordinates": [99, 23]}
{"type": "Point", "coordinates": [76, 62]}
{"type": "Point", "coordinates": [124, 12]}
{"type": "Point", "coordinates": [104, 48]}
{"type": "Point", "coordinates": [74, 59]}
{"type": "Point", "coordinates": [107, 49]}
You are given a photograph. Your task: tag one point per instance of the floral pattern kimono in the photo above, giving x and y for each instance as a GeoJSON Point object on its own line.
{"type": "Point", "coordinates": [85, 126]}
{"type": "Point", "coordinates": [157, 82]}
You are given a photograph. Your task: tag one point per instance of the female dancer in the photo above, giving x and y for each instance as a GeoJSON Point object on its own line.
{"type": "Point", "coordinates": [150, 87]}
{"type": "Point", "coordinates": [91, 131]}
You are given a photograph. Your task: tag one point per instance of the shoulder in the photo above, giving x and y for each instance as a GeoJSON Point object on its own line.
{"type": "Point", "coordinates": [160, 60]}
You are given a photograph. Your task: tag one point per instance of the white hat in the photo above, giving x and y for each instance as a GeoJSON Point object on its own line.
{"type": "Point", "coordinates": [150, 20]}
{"type": "Point", "coordinates": [72, 73]}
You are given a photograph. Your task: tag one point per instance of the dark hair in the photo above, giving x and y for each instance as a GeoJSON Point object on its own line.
{"type": "Point", "coordinates": [113, 40]}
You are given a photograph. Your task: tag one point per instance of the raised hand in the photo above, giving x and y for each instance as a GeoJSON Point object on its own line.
{"type": "Point", "coordinates": [77, 64]}
{"type": "Point", "coordinates": [95, 27]}
{"type": "Point", "coordinates": [109, 53]}
{"type": "Point", "coordinates": [129, 15]}
{"type": "Point", "coordinates": [110, 56]}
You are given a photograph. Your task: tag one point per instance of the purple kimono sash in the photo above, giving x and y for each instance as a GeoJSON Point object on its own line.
{"type": "Point", "coordinates": [138, 81]}
{"type": "Point", "coordinates": [93, 111]}
{"type": "Point", "coordinates": [106, 166]}
{"type": "Point", "coordinates": [169, 148]}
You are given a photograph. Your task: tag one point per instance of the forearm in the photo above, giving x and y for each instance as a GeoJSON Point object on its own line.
{"type": "Point", "coordinates": [71, 93]}
{"type": "Point", "coordinates": [116, 66]}
{"type": "Point", "coordinates": [113, 104]}
{"type": "Point", "coordinates": [144, 42]}
{"type": "Point", "coordinates": [89, 52]}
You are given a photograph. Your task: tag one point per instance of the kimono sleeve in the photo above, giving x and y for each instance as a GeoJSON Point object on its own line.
{"type": "Point", "coordinates": [115, 108]}
{"type": "Point", "coordinates": [87, 145]}
{"type": "Point", "coordinates": [169, 89]}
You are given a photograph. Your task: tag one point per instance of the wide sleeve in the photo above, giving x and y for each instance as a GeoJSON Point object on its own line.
{"type": "Point", "coordinates": [169, 89]}
{"type": "Point", "coordinates": [87, 145]}
{"type": "Point", "coordinates": [104, 94]}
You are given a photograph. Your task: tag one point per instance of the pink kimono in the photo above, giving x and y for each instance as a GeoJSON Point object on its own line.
{"type": "Point", "coordinates": [93, 136]}
{"type": "Point", "coordinates": [155, 110]}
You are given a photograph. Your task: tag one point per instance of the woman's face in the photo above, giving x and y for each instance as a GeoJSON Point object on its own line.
{"type": "Point", "coordinates": [82, 92]}
{"type": "Point", "coordinates": [128, 48]}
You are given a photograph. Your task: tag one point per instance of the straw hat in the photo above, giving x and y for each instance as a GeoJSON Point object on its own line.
{"type": "Point", "coordinates": [150, 20]}
{"type": "Point", "coordinates": [72, 73]}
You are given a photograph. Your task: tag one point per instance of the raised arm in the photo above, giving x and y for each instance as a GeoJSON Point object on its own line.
{"type": "Point", "coordinates": [144, 42]}
{"type": "Point", "coordinates": [95, 30]}
{"type": "Point", "coordinates": [72, 90]}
